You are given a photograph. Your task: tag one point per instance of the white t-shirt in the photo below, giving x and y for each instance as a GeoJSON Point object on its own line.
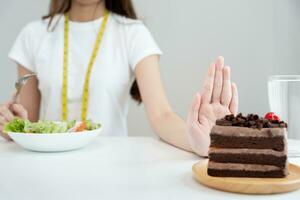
{"type": "Point", "coordinates": [125, 43]}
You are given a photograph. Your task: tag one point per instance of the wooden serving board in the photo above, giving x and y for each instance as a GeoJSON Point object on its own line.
{"type": "Point", "coordinates": [248, 185]}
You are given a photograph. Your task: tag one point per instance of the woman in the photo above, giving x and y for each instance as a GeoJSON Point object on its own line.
{"type": "Point", "coordinates": [89, 55]}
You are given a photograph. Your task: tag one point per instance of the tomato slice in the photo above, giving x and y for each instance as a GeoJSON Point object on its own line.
{"type": "Point", "coordinates": [80, 127]}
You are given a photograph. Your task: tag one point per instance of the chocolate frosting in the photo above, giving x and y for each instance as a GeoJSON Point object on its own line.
{"type": "Point", "coordinates": [247, 132]}
{"type": "Point", "coordinates": [250, 121]}
{"type": "Point", "coordinates": [246, 167]}
{"type": "Point", "coordinates": [247, 151]}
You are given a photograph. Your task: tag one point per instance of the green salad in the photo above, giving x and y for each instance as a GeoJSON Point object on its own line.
{"type": "Point", "coordinates": [25, 126]}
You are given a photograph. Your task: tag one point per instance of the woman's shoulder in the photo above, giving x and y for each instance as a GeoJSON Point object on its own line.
{"type": "Point", "coordinates": [41, 26]}
{"type": "Point", "coordinates": [125, 21]}
{"type": "Point", "coordinates": [129, 26]}
{"type": "Point", "coordinates": [35, 25]}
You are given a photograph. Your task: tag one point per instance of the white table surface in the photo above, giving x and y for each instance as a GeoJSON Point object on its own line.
{"type": "Point", "coordinates": [110, 168]}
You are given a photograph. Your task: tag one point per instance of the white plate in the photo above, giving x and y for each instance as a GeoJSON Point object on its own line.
{"type": "Point", "coordinates": [54, 142]}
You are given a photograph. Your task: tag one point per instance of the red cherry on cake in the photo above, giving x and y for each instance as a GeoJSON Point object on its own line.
{"type": "Point", "coordinates": [272, 116]}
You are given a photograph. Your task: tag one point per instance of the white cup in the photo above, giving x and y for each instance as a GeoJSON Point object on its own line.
{"type": "Point", "coordinates": [284, 100]}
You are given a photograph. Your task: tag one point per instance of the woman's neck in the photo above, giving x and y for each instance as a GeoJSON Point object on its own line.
{"type": "Point", "coordinates": [83, 13]}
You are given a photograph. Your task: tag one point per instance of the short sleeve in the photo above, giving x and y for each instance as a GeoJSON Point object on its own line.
{"type": "Point", "coordinates": [22, 50]}
{"type": "Point", "coordinates": [141, 44]}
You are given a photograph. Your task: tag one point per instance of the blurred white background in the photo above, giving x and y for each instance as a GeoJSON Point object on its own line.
{"type": "Point", "coordinates": [258, 38]}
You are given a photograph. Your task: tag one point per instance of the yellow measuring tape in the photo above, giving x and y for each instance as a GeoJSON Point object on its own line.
{"type": "Point", "coordinates": [85, 93]}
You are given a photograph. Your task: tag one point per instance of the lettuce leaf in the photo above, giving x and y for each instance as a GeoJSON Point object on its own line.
{"type": "Point", "coordinates": [71, 123]}
{"type": "Point", "coordinates": [91, 126]}
{"type": "Point", "coordinates": [16, 125]}
{"type": "Point", "coordinates": [46, 127]}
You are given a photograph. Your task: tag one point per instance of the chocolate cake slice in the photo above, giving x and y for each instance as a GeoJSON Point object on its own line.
{"type": "Point", "coordinates": [248, 146]}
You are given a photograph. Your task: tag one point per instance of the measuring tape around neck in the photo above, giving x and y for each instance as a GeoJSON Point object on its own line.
{"type": "Point", "coordinates": [85, 92]}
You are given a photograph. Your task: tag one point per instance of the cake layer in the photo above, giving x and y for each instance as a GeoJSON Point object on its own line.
{"type": "Point", "coordinates": [250, 174]}
{"type": "Point", "coordinates": [276, 143]}
{"type": "Point", "coordinates": [242, 137]}
{"type": "Point", "coordinates": [245, 170]}
{"type": "Point", "coordinates": [248, 156]}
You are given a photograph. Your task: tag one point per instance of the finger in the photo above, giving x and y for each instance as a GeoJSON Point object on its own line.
{"type": "Point", "coordinates": [6, 113]}
{"type": "Point", "coordinates": [14, 93]}
{"type": "Point", "coordinates": [13, 96]}
{"type": "Point", "coordinates": [234, 100]}
{"type": "Point", "coordinates": [194, 110]}
{"type": "Point", "coordinates": [218, 80]}
{"type": "Point", "coordinates": [20, 111]}
{"type": "Point", "coordinates": [8, 104]}
{"type": "Point", "coordinates": [208, 84]}
{"type": "Point", "coordinates": [4, 135]}
{"type": "Point", "coordinates": [226, 95]}
{"type": "Point", "coordinates": [3, 120]}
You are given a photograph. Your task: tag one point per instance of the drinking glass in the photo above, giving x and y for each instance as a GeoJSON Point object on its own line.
{"type": "Point", "coordinates": [284, 100]}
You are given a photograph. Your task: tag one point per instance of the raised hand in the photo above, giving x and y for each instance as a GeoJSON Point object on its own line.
{"type": "Point", "coordinates": [217, 98]}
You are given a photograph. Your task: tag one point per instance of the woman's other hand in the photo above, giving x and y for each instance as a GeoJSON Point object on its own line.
{"type": "Point", "coordinates": [8, 112]}
{"type": "Point", "coordinates": [218, 98]}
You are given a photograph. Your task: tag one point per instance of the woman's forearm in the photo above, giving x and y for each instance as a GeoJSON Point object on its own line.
{"type": "Point", "coordinates": [30, 96]}
{"type": "Point", "coordinates": [166, 124]}
{"type": "Point", "coordinates": [172, 129]}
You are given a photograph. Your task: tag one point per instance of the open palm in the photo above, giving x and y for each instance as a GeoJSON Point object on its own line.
{"type": "Point", "coordinates": [218, 98]}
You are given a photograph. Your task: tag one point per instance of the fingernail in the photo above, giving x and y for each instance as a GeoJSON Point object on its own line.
{"type": "Point", "coordinates": [15, 106]}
